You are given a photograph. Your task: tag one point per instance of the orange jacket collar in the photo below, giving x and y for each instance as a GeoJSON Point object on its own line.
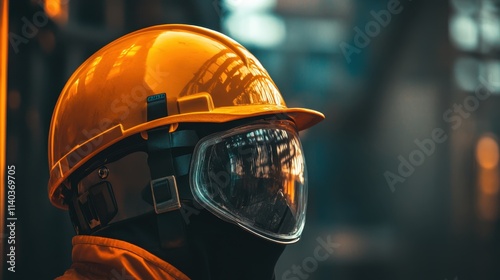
{"type": "Point", "coordinates": [104, 258]}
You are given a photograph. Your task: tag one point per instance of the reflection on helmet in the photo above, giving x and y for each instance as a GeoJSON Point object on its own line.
{"type": "Point", "coordinates": [226, 73]}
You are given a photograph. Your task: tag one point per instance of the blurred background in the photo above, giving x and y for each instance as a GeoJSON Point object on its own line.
{"type": "Point", "coordinates": [403, 173]}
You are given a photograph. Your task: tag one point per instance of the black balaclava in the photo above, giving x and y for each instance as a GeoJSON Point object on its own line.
{"type": "Point", "coordinates": [216, 249]}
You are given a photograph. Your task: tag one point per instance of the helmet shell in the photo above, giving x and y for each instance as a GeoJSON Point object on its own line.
{"type": "Point", "coordinates": [206, 76]}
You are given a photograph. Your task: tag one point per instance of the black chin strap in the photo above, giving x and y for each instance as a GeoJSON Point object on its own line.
{"type": "Point", "coordinates": [164, 190]}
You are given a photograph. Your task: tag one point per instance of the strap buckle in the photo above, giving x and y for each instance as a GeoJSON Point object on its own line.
{"type": "Point", "coordinates": [165, 194]}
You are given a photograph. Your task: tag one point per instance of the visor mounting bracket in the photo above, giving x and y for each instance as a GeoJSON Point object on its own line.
{"type": "Point", "coordinates": [165, 194]}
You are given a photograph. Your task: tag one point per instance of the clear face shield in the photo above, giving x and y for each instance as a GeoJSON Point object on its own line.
{"type": "Point", "coordinates": [254, 176]}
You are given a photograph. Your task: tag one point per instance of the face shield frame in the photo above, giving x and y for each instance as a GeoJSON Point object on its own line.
{"type": "Point", "coordinates": [290, 211]}
{"type": "Point", "coordinates": [224, 186]}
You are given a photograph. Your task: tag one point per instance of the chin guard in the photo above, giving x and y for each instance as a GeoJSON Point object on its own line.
{"type": "Point", "coordinates": [93, 209]}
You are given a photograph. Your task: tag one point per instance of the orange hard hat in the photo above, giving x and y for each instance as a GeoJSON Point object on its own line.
{"type": "Point", "coordinates": [206, 76]}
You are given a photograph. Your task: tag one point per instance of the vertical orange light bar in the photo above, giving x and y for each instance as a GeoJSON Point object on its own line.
{"type": "Point", "coordinates": [488, 156]}
{"type": "Point", "coordinates": [4, 34]}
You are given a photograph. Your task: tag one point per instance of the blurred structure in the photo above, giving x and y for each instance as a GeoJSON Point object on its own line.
{"type": "Point", "coordinates": [403, 172]}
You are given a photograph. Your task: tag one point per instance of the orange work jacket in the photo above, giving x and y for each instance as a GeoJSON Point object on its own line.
{"type": "Point", "coordinates": [105, 258]}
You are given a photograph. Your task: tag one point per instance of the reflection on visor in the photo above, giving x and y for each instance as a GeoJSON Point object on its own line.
{"type": "Point", "coordinates": [254, 176]}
